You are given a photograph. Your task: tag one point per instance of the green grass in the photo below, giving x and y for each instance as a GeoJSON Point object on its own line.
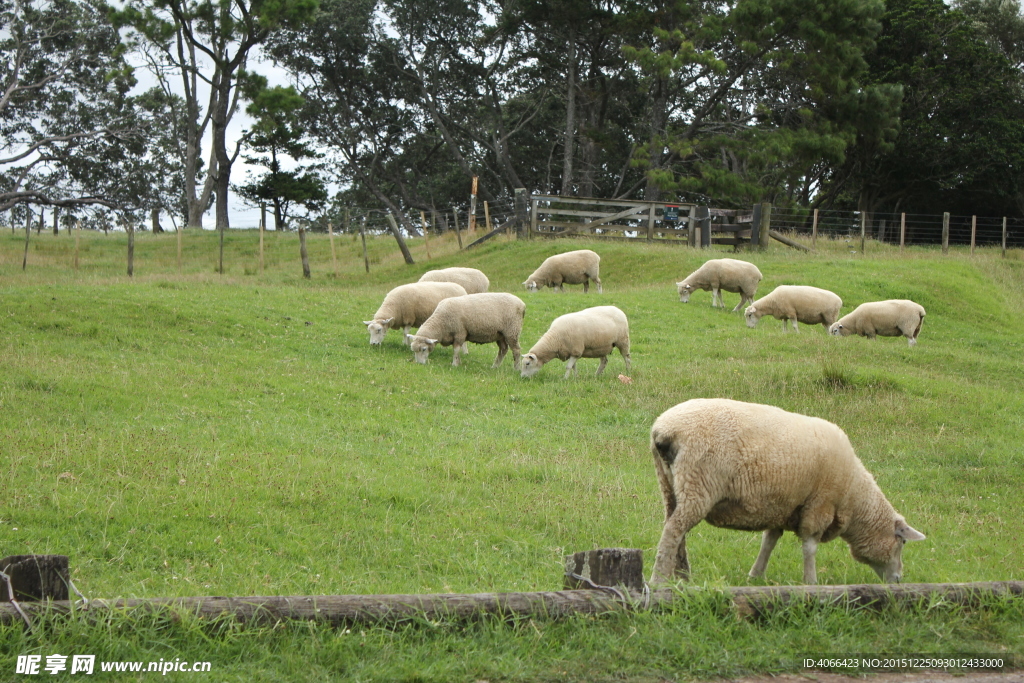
{"type": "Point", "coordinates": [191, 433]}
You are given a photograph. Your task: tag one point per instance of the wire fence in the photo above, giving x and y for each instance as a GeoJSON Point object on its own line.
{"type": "Point", "coordinates": [916, 229]}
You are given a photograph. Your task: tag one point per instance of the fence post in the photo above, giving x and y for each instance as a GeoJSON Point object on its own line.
{"type": "Point", "coordinates": [362, 233]}
{"type": "Point", "coordinates": [974, 232]}
{"type": "Point", "coordinates": [522, 212]}
{"type": "Point", "coordinates": [78, 225]}
{"type": "Point", "coordinates": [1004, 236]}
{"type": "Point", "coordinates": [487, 216]}
{"type": "Point", "coordinates": [755, 227]}
{"type": "Point", "coordinates": [863, 230]}
{"type": "Point", "coordinates": [766, 225]}
{"type": "Point", "coordinates": [303, 253]}
{"type": "Point", "coordinates": [650, 222]}
{"type": "Point", "coordinates": [181, 229]}
{"type": "Point", "coordinates": [334, 254]}
{"type": "Point", "coordinates": [458, 231]}
{"type": "Point", "coordinates": [56, 212]}
{"type": "Point", "coordinates": [472, 207]}
{"type": "Point", "coordinates": [129, 227]}
{"type": "Point", "coordinates": [426, 232]}
{"type": "Point", "coordinates": [945, 232]}
{"type": "Point", "coordinates": [263, 215]}
{"type": "Point", "coordinates": [28, 231]}
{"type": "Point", "coordinates": [814, 230]}
{"type": "Point", "coordinates": [903, 230]}
{"type": "Point", "coordinates": [534, 210]}
{"type": "Point", "coordinates": [703, 215]}
{"type": "Point", "coordinates": [262, 229]}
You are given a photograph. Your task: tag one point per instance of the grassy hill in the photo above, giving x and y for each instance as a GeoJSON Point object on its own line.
{"type": "Point", "coordinates": [190, 433]}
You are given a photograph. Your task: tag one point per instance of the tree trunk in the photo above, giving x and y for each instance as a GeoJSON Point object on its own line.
{"type": "Point", "coordinates": [155, 219]}
{"type": "Point", "coordinates": [568, 142]}
{"type": "Point", "coordinates": [656, 145]}
{"type": "Point", "coordinates": [56, 212]}
{"type": "Point", "coordinates": [401, 241]}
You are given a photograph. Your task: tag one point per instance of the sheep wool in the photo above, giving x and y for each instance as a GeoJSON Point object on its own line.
{"type": "Point", "coordinates": [892, 318]}
{"type": "Point", "coordinates": [570, 268]}
{"type": "Point", "coordinates": [409, 306]}
{"type": "Point", "coordinates": [590, 333]}
{"type": "Point", "coordinates": [796, 303]}
{"type": "Point", "coordinates": [478, 318]}
{"type": "Point", "coordinates": [731, 275]}
{"type": "Point", "coordinates": [471, 279]}
{"type": "Point", "coordinates": [754, 467]}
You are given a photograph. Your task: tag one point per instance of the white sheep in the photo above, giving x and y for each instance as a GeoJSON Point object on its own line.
{"type": "Point", "coordinates": [808, 305]}
{"type": "Point", "coordinates": [891, 318]}
{"type": "Point", "coordinates": [729, 274]}
{"type": "Point", "coordinates": [471, 279]}
{"type": "Point", "coordinates": [478, 318]}
{"type": "Point", "coordinates": [590, 333]}
{"type": "Point", "coordinates": [759, 468]}
{"type": "Point", "coordinates": [573, 268]}
{"type": "Point", "coordinates": [409, 306]}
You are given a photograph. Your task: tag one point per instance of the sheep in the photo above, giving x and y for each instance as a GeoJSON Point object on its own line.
{"type": "Point", "coordinates": [572, 268]}
{"type": "Point", "coordinates": [590, 333]}
{"type": "Point", "coordinates": [890, 318]}
{"type": "Point", "coordinates": [478, 318]}
{"type": "Point", "coordinates": [729, 274]}
{"type": "Point", "coordinates": [409, 306]}
{"type": "Point", "coordinates": [808, 305]}
{"type": "Point", "coordinates": [471, 279]}
{"type": "Point", "coordinates": [754, 467]}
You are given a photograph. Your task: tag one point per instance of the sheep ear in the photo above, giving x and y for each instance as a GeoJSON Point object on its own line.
{"type": "Point", "coordinates": [387, 322]}
{"type": "Point", "coordinates": [907, 532]}
{"type": "Point", "coordinates": [367, 322]}
{"type": "Point", "coordinates": [431, 341]}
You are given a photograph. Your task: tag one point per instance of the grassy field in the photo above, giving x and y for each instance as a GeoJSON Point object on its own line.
{"type": "Point", "coordinates": [191, 433]}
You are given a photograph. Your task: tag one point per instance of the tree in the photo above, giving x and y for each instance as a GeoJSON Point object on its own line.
{"type": "Point", "coordinates": [183, 37]}
{"type": "Point", "coordinates": [277, 133]}
{"type": "Point", "coordinates": [67, 124]}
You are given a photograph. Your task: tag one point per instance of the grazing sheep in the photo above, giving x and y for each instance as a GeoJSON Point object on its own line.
{"type": "Point", "coordinates": [572, 268]}
{"type": "Point", "coordinates": [471, 279]}
{"type": "Point", "coordinates": [890, 318]}
{"type": "Point", "coordinates": [477, 318]}
{"type": "Point", "coordinates": [729, 274]}
{"type": "Point", "coordinates": [759, 468]}
{"type": "Point", "coordinates": [808, 305]}
{"type": "Point", "coordinates": [409, 306]}
{"type": "Point", "coordinates": [590, 333]}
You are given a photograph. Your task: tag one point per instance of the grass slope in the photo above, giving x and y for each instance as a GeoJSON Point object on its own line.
{"type": "Point", "coordinates": [189, 433]}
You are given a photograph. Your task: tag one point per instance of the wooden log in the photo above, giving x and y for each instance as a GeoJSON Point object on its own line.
{"type": "Point", "coordinates": [751, 601]}
{"type": "Point", "coordinates": [612, 567]}
{"type": "Point", "coordinates": [788, 242]}
{"type": "Point", "coordinates": [36, 577]}
{"type": "Point", "coordinates": [504, 227]}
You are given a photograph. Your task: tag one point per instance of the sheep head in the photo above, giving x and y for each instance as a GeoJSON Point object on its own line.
{"type": "Point", "coordinates": [421, 347]}
{"type": "Point", "coordinates": [530, 365]}
{"type": "Point", "coordinates": [377, 329]}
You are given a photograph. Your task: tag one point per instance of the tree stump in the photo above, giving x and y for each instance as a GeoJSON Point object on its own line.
{"type": "Point", "coordinates": [618, 567]}
{"type": "Point", "coordinates": [36, 577]}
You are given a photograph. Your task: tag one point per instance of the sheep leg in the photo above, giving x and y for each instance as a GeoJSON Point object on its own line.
{"type": "Point", "coordinates": [570, 366]}
{"type": "Point", "coordinates": [768, 541]}
{"type": "Point", "coordinates": [810, 547]}
{"type": "Point", "coordinates": [465, 348]}
{"type": "Point", "coordinates": [405, 335]}
{"type": "Point", "coordinates": [671, 561]}
{"type": "Point", "coordinates": [517, 354]}
{"type": "Point", "coordinates": [795, 328]}
{"type": "Point", "coordinates": [586, 285]}
{"type": "Point", "coordinates": [600, 290]}
{"type": "Point", "coordinates": [502, 350]}
{"type": "Point", "coordinates": [456, 348]}
{"type": "Point", "coordinates": [743, 300]}
{"type": "Point", "coordinates": [600, 368]}
{"type": "Point", "coordinates": [716, 298]}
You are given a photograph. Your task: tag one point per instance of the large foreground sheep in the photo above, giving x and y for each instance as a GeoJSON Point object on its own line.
{"type": "Point", "coordinates": [759, 468]}
{"type": "Point", "coordinates": [570, 268]}
{"type": "Point", "coordinates": [409, 306]}
{"type": "Point", "coordinates": [478, 318]}
{"type": "Point", "coordinates": [891, 318]}
{"type": "Point", "coordinates": [793, 303]}
{"type": "Point", "coordinates": [471, 279]}
{"type": "Point", "coordinates": [729, 274]}
{"type": "Point", "coordinates": [590, 333]}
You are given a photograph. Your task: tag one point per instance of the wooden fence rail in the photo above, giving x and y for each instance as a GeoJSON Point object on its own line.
{"type": "Point", "coordinates": [750, 601]}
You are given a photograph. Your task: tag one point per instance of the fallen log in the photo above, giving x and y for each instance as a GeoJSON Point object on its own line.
{"type": "Point", "coordinates": [751, 601]}
{"type": "Point", "coordinates": [788, 242]}
{"type": "Point", "coordinates": [497, 231]}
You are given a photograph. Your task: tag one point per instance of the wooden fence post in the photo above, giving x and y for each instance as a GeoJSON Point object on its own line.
{"type": "Point", "coordinates": [472, 207]}
{"type": "Point", "coordinates": [362, 233]}
{"type": "Point", "coordinates": [42, 221]}
{"type": "Point", "coordinates": [863, 230]}
{"type": "Point", "coordinates": [263, 228]}
{"type": "Point", "coordinates": [35, 577]}
{"type": "Point", "coordinates": [605, 568]}
{"type": "Point", "coordinates": [522, 212]}
{"type": "Point", "coordinates": [458, 232]}
{"type": "Point", "coordinates": [945, 232]}
{"type": "Point", "coordinates": [78, 225]}
{"type": "Point", "coordinates": [181, 229]}
{"type": "Point", "coordinates": [303, 253]}
{"type": "Point", "coordinates": [704, 218]}
{"type": "Point", "coordinates": [814, 230]}
{"type": "Point", "coordinates": [56, 213]}
{"type": "Point", "coordinates": [766, 224]}
{"type": "Point", "coordinates": [1004, 236]}
{"type": "Point", "coordinates": [426, 232]}
{"type": "Point", "coordinates": [129, 227]}
{"type": "Point", "coordinates": [487, 216]}
{"type": "Point", "coordinates": [334, 254]}
{"type": "Point", "coordinates": [903, 230]}
{"type": "Point", "coordinates": [650, 221]}
{"type": "Point", "coordinates": [974, 232]}
{"type": "Point", "coordinates": [28, 231]}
